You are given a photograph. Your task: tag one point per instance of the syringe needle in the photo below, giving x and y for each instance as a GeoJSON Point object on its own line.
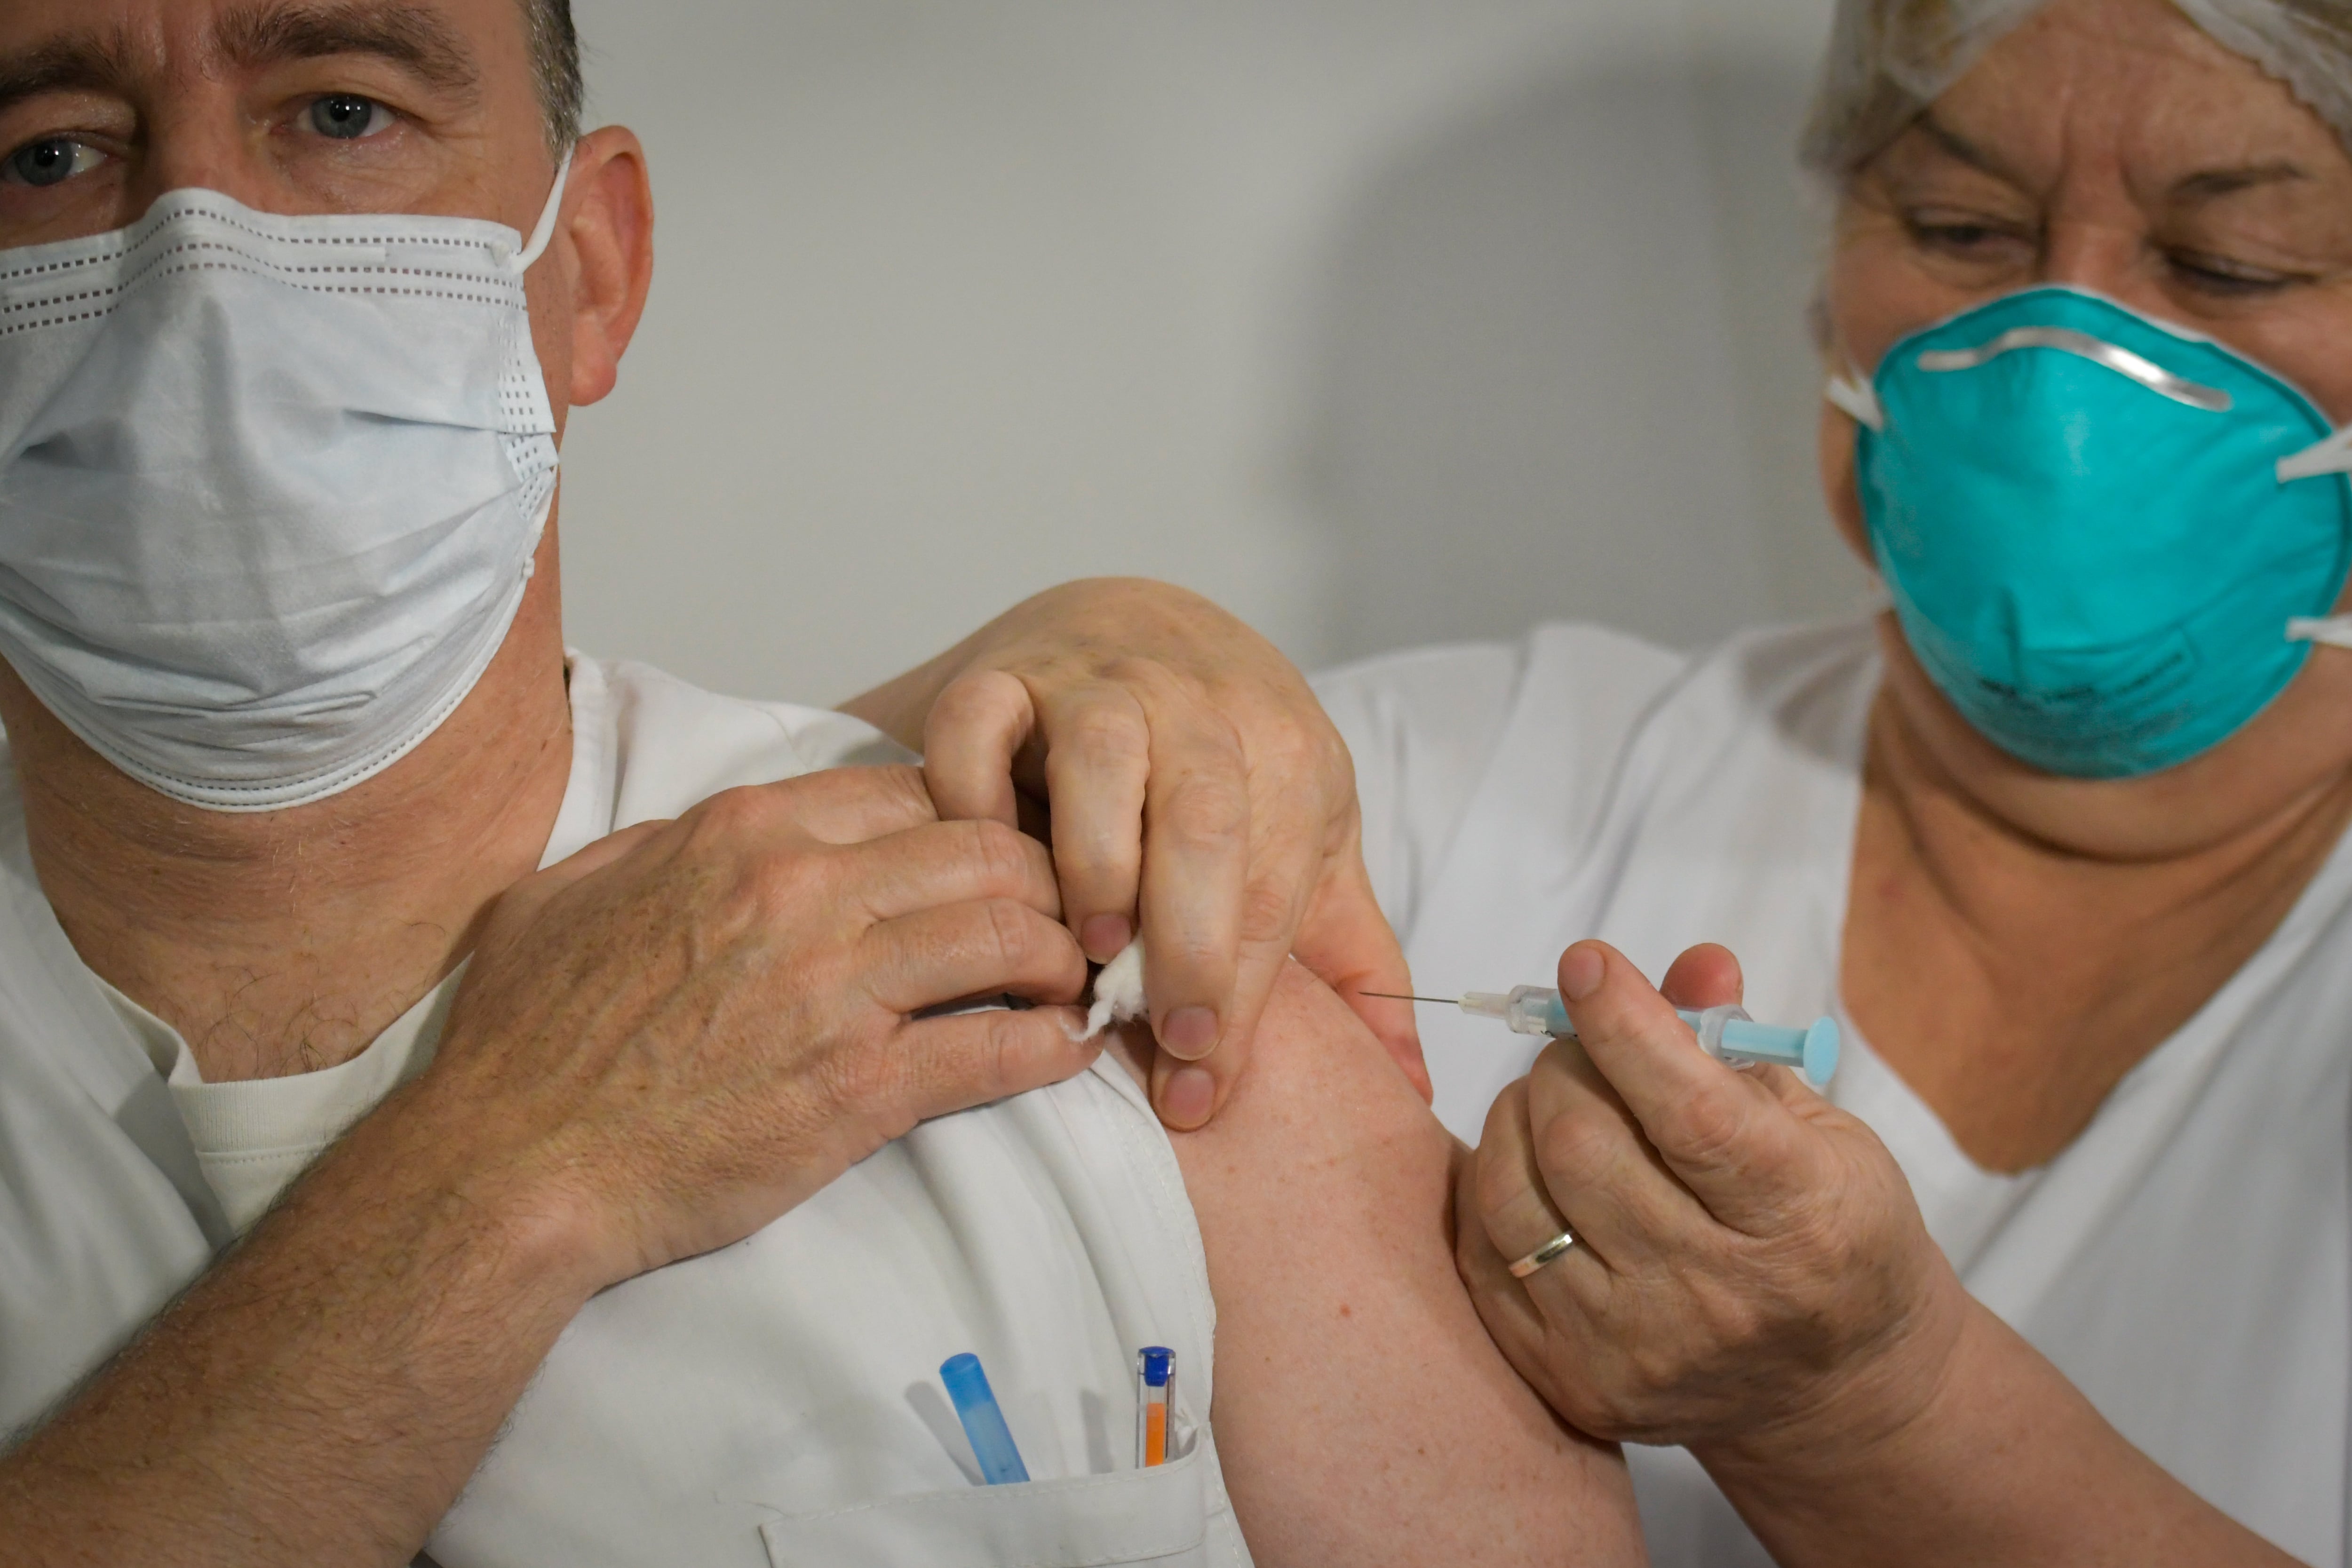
{"type": "Point", "coordinates": [1394, 997]}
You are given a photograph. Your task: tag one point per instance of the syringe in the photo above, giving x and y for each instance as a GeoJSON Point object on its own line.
{"type": "Point", "coordinates": [1726, 1033]}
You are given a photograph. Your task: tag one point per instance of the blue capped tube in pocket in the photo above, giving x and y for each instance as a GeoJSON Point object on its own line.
{"type": "Point", "coordinates": [983, 1423]}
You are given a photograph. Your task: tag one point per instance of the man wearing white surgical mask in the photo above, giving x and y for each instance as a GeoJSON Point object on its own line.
{"type": "Point", "coordinates": [473, 997]}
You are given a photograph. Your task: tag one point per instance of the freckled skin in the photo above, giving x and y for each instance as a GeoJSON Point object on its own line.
{"type": "Point", "coordinates": [1324, 1195]}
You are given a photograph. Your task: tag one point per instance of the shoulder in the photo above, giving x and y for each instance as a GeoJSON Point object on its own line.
{"type": "Point", "coordinates": [1426, 728]}
{"type": "Point", "coordinates": [1461, 697]}
{"type": "Point", "coordinates": [1808, 684]}
{"type": "Point", "coordinates": [658, 744]}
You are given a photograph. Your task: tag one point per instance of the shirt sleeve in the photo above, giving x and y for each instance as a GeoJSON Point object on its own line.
{"type": "Point", "coordinates": [1423, 727]}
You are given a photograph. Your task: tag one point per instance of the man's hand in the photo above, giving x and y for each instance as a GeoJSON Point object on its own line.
{"type": "Point", "coordinates": [685, 1030]}
{"type": "Point", "coordinates": [662, 1044]}
{"type": "Point", "coordinates": [1193, 782]}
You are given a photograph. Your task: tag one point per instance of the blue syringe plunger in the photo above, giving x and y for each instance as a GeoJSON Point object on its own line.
{"type": "Point", "coordinates": [1726, 1033]}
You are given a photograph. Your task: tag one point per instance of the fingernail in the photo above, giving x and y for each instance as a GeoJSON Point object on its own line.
{"type": "Point", "coordinates": [1581, 973]}
{"type": "Point", "coordinates": [1187, 1098]}
{"type": "Point", "coordinates": [1190, 1032]}
{"type": "Point", "coordinates": [1104, 937]}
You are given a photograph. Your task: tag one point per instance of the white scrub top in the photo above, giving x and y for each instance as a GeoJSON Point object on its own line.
{"type": "Point", "coordinates": [2187, 1262]}
{"type": "Point", "coordinates": [777, 1402]}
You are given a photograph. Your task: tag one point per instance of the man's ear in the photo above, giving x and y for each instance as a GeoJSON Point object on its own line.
{"type": "Point", "coordinates": [611, 227]}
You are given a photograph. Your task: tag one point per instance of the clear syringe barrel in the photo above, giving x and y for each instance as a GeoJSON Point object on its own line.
{"type": "Point", "coordinates": [1527, 1010]}
{"type": "Point", "coordinates": [1726, 1033]}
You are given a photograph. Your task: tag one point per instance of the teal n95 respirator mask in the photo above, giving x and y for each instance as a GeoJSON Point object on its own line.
{"type": "Point", "coordinates": [269, 486]}
{"type": "Point", "coordinates": [2109, 541]}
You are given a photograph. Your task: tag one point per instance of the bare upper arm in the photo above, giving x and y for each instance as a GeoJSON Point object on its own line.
{"type": "Point", "coordinates": [1362, 1414]}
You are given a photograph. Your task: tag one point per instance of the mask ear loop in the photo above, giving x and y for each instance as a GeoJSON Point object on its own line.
{"type": "Point", "coordinates": [543, 232]}
{"type": "Point", "coordinates": [2328, 631]}
{"type": "Point", "coordinates": [2332, 455]}
{"type": "Point", "coordinates": [1854, 395]}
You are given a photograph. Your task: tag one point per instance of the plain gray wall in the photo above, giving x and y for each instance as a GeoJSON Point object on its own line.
{"type": "Point", "coordinates": [1378, 321]}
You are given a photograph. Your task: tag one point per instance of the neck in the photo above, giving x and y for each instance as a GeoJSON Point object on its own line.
{"type": "Point", "coordinates": [284, 941]}
{"type": "Point", "coordinates": [2012, 980]}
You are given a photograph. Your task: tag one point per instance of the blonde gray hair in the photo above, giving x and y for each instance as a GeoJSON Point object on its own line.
{"type": "Point", "coordinates": [1888, 59]}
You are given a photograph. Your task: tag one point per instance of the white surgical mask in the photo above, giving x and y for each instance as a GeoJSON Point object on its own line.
{"type": "Point", "coordinates": [269, 486]}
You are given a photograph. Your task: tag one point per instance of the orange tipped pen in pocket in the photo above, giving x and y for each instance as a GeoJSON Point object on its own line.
{"type": "Point", "coordinates": [1155, 1390]}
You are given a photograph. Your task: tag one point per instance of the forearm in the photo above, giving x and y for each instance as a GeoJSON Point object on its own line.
{"type": "Point", "coordinates": [2006, 1462]}
{"type": "Point", "coordinates": [322, 1394]}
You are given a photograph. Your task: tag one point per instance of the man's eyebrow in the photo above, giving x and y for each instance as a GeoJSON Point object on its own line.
{"type": "Point", "coordinates": [2209, 185]}
{"type": "Point", "coordinates": [92, 62]}
{"type": "Point", "coordinates": [407, 36]}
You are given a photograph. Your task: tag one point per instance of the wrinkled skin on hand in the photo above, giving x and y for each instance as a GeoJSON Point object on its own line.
{"type": "Point", "coordinates": [1192, 787]}
{"type": "Point", "coordinates": [1750, 1271]}
{"type": "Point", "coordinates": [690, 1027]}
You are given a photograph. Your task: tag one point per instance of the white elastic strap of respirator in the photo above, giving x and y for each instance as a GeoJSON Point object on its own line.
{"type": "Point", "coordinates": [1857, 397]}
{"type": "Point", "coordinates": [2332, 456]}
{"type": "Point", "coordinates": [2334, 631]}
{"type": "Point", "coordinates": [542, 233]}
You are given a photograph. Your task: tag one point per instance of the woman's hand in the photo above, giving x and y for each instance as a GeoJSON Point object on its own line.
{"type": "Point", "coordinates": [1189, 780]}
{"type": "Point", "coordinates": [1752, 1279]}
{"type": "Point", "coordinates": [1750, 1274]}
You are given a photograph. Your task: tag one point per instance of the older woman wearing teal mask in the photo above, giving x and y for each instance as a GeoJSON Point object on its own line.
{"type": "Point", "coordinates": [2059, 1268]}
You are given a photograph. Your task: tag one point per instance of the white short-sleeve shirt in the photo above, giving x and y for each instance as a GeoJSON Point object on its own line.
{"type": "Point", "coordinates": [2187, 1261]}
{"type": "Point", "coordinates": [775, 1402]}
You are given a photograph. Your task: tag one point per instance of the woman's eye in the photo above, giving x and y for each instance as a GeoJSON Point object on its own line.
{"type": "Point", "coordinates": [1960, 237]}
{"type": "Point", "coordinates": [347, 117]}
{"type": "Point", "coordinates": [2212, 275]}
{"type": "Point", "coordinates": [51, 161]}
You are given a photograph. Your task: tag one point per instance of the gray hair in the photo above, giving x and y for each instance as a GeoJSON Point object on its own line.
{"type": "Point", "coordinates": [555, 69]}
{"type": "Point", "coordinates": [1888, 59]}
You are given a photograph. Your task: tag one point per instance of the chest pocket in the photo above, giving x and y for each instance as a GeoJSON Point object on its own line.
{"type": "Point", "coordinates": [1156, 1516]}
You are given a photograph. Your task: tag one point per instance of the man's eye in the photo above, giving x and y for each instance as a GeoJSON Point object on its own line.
{"type": "Point", "coordinates": [51, 161]}
{"type": "Point", "coordinates": [347, 117]}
